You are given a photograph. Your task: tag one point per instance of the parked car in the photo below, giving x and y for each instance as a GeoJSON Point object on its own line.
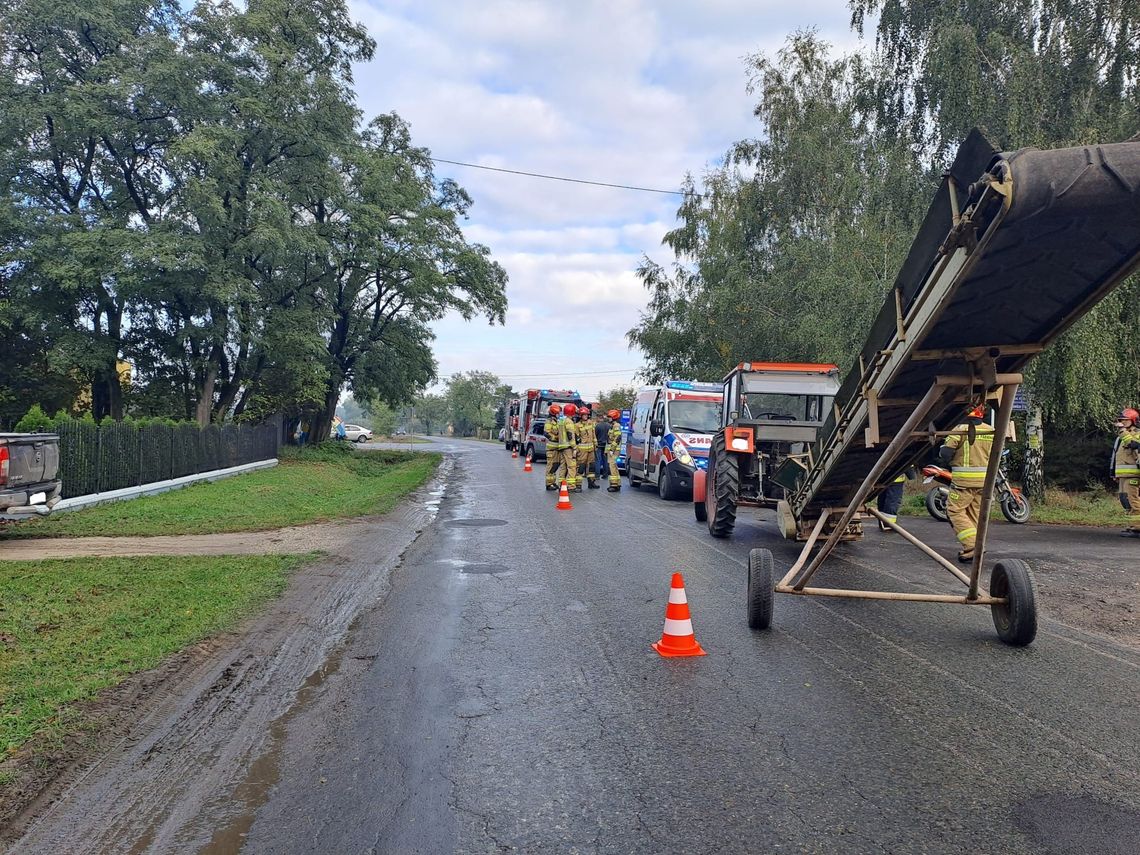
{"type": "Point", "coordinates": [29, 473]}
{"type": "Point", "coordinates": [534, 443]}
{"type": "Point", "coordinates": [356, 433]}
{"type": "Point", "coordinates": [401, 432]}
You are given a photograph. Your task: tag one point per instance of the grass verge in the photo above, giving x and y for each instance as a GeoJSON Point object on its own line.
{"type": "Point", "coordinates": [330, 481]}
{"type": "Point", "coordinates": [1059, 508]}
{"type": "Point", "coordinates": [71, 627]}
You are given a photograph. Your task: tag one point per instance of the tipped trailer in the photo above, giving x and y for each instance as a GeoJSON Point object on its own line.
{"type": "Point", "coordinates": [1016, 247]}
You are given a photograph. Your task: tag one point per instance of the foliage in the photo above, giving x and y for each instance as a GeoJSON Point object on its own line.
{"type": "Point", "coordinates": [617, 398]}
{"type": "Point", "coordinates": [382, 418]}
{"type": "Point", "coordinates": [324, 482]}
{"type": "Point", "coordinates": [34, 421]}
{"type": "Point", "coordinates": [788, 251]}
{"type": "Point", "coordinates": [187, 188]}
{"type": "Point", "coordinates": [471, 400]}
{"type": "Point", "coordinates": [76, 626]}
{"type": "Point", "coordinates": [429, 413]}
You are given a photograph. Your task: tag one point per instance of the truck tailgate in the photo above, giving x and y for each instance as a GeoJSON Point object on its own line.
{"type": "Point", "coordinates": [32, 458]}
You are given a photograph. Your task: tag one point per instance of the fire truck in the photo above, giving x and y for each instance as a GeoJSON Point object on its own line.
{"type": "Point", "coordinates": [522, 412]}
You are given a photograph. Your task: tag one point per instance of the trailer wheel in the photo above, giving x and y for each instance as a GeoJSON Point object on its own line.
{"type": "Point", "coordinates": [759, 589]}
{"type": "Point", "coordinates": [936, 498]}
{"type": "Point", "coordinates": [722, 486]}
{"type": "Point", "coordinates": [1016, 619]}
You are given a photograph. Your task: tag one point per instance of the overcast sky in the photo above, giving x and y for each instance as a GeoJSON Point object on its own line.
{"type": "Point", "coordinates": [624, 91]}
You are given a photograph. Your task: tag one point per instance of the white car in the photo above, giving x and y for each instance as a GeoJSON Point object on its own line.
{"type": "Point", "coordinates": [356, 433]}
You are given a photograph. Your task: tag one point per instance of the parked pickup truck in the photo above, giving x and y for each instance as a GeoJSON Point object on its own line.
{"type": "Point", "coordinates": [29, 473]}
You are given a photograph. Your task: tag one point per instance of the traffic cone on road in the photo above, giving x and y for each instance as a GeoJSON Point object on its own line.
{"type": "Point", "coordinates": [564, 499]}
{"type": "Point", "coordinates": [526, 464]}
{"type": "Point", "coordinates": [514, 453]}
{"type": "Point", "coordinates": [677, 637]}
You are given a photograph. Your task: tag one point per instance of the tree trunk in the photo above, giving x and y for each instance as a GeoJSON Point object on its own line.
{"type": "Point", "coordinates": [1033, 476]}
{"type": "Point", "coordinates": [321, 423]}
{"type": "Point", "coordinates": [206, 395]}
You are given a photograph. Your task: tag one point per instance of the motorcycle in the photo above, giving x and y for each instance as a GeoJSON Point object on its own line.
{"type": "Point", "coordinates": [1014, 504]}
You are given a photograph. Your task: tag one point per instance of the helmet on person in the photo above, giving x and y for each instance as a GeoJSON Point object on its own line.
{"type": "Point", "coordinates": [1130, 415]}
{"type": "Point", "coordinates": [614, 414]}
{"type": "Point", "coordinates": [584, 411]}
{"type": "Point", "coordinates": [555, 409]}
{"type": "Point", "coordinates": [570, 409]}
{"type": "Point", "coordinates": [979, 412]}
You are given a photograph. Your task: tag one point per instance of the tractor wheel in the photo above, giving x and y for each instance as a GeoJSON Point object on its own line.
{"type": "Point", "coordinates": [1016, 619]}
{"type": "Point", "coordinates": [759, 589]}
{"type": "Point", "coordinates": [936, 498]}
{"type": "Point", "coordinates": [722, 486]}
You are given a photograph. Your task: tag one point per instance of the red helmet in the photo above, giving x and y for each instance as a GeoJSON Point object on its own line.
{"type": "Point", "coordinates": [555, 409]}
{"type": "Point", "coordinates": [584, 410]}
{"type": "Point", "coordinates": [1128, 414]}
{"type": "Point", "coordinates": [979, 412]}
{"type": "Point", "coordinates": [570, 409]}
{"type": "Point", "coordinates": [614, 414]}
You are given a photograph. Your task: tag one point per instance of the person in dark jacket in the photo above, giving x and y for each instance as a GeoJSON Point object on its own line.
{"type": "Point", "coordinates": [602, 434]}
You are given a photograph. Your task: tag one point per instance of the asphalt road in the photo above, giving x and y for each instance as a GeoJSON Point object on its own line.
{"type": "Point", "coordinates": [503, 696]}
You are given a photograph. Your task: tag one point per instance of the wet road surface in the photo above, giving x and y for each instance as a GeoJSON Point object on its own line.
{"type": "Point", "coordinates": [504, 696]}
{"type": "Point", "coordinates": [497, 692]}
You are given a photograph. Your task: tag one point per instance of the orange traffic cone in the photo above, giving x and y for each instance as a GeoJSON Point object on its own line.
{"type": "Point", "coordinates": [564, 499]}
{"type": "Point", "coordinates": [677, 638]}
{"type": "Point", "coordinates": [526, 464]}
{"type": "Point", "coordinates": [514, 453]}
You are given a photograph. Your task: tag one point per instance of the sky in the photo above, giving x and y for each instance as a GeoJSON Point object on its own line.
{"type": "Point", "coordinates": [636, 92]}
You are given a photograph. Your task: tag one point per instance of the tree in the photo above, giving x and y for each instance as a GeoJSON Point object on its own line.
{"type": "Point", "coordinates": [789, 249]}
{"type": "Point", "coordinates": [471, 400]}
{"type": "Point", "coordinates": [617, 398]}
{"type": "Point", "coordinates": [382, 418]}
{"type": "Point", "coordinates": [431, 412]}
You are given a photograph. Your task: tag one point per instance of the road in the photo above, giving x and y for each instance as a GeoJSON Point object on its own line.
{"type": "Point", "coordinates": [502, 695]}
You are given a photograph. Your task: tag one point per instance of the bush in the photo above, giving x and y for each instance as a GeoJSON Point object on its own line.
{"type": "Point", "coordinates": [35, 420]}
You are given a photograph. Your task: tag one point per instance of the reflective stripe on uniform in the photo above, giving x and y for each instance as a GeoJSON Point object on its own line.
{"type": "Point", "coordinates": [967, 533]}
{"type": "Point", "coordinates": [1127, 471]}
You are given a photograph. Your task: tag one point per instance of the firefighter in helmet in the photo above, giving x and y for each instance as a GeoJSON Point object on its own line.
{"type": "Point", "coordinates": [568, 439]}
{"type": "Point", "coordinates": [968, 454]}
{"type": "Point", "coordinates": [553, 449]}
{"type": "Point", "coordinates": [1126, 468]}
{"type": "Point", "coordinates": [586, 448]}
{"type": "Point", "coordinates": [613, 446]}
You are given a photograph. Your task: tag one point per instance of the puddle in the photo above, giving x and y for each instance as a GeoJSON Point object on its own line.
{"type": "Point", "coordinates": [263, 774]}
{"type": "Point", "coordinates": [476, 522]}
{"type": "Point", "coordinates": [483, 568]}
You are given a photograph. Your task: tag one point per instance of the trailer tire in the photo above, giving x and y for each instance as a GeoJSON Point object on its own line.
{"type": "Point", "coordinates": [760, 588]}
{"type": "Point", "coordinates": [1015, 620]}
{"type": "Point", "coordinates": [722, 486]}
{"type": "Point", "coordinates": [936, 498]}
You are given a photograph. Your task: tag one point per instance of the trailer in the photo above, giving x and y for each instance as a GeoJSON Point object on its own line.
{"type": "Point", "coordinates": [1015, 248]}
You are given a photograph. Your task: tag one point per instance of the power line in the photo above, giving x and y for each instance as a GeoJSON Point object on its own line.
{"type": "Point", "coordinates": [559, 177]}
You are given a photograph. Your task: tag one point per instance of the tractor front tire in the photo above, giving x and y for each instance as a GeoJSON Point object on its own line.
{"type": "Point", "coordinates": [722, 486]}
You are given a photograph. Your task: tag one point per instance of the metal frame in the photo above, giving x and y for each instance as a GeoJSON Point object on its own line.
{"type": "Point", "coordinates": [945, 390]}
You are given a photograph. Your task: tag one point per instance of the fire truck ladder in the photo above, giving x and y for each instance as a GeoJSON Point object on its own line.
{"type": "Point", "coordinates": [1002, 265]}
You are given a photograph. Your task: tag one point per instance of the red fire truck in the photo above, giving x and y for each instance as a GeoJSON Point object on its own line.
{"type": "Point", "coordinates": [522, 412]}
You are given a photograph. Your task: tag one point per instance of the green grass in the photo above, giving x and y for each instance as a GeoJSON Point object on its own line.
{"type": "Point", "coordinates": [1059, 508]}
{"type": "Point", "coordinates": [330, 481]}
{"type": "Point", "coordinates": [71, 627]}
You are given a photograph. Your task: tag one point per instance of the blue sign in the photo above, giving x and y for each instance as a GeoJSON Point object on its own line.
{"type": "Point", "coordinates": [1021, 402]}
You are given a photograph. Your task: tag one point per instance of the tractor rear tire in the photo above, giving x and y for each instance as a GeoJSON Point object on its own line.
{"type": "Point", "coordinates": [760, 588]}
{"type": "Point", "coordinates": [722, 486]}
{"type": "Point", "coordinates": [1016, 619]}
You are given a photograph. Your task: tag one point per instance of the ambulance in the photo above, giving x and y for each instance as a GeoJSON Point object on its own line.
{"type": "Point", "coordinates": [671, 429]}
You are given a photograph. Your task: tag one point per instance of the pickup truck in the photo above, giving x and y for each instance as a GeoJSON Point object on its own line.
{"type": "Point", "coordinates": [29, 473]}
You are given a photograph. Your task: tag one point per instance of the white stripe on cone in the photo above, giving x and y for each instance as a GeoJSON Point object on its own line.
{"type": "Point", "coordinates": [678, 627]}
{"type": "Point", "coordinates": [677, 596]}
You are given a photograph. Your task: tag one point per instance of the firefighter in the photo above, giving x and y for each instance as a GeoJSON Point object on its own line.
{"type": "Point", "coordinates": [969, 459]}
{"type": "Point", "coordinates": [1126, 468]}
{"type": "Point", "coordinates": [891, 498]}
{"type": "Point", "coordinates": [553, 449]}
{"type": "Point", "coordinates": [613, 445]}
{"type": "Point", "coordinates": [568, 440]}
{"type": "Point", "coordinates": [586, 448]}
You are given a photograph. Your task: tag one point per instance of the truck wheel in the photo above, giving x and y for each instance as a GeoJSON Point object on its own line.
{"type": "Point", "coordinates": [1016, 619]}
{"type": "Point", "coordinates": [936, 502]}
{"type": "Point", "coordinates": [759, 589]}
{"type": "Point", "coordinates": [665, 488]}
{"type": "Point", "coordinates": [722, 486]}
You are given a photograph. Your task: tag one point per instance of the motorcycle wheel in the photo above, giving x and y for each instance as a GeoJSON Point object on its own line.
{"type": "Point", "coordinates": [1015, 508]}
{"type": "Point", "coordinates": [936, 498]}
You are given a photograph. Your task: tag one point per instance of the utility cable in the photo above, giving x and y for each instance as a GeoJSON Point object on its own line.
{"type": "Point", "coordinates": [560, 178]}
